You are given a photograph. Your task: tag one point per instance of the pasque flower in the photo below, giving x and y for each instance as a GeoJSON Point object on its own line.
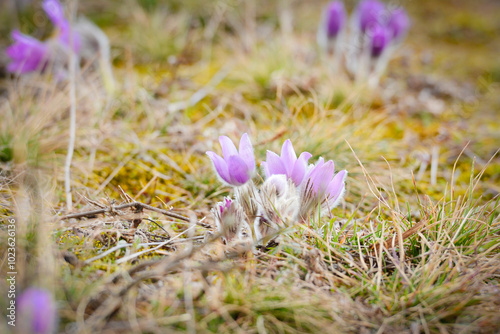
{"type": "Point", "coordinates": [55, 12]}
{"type": "Point", "coordinates": [331, 33]}
{"type": "Point", "coordinates": [335, 18]}
{"type": "Point", "coordinates": [235, 167]}
{"type": "Point", "coordinates": [321, 186]}
{"type": "Point", "coordinates": [292, 191]}
{"type": "Point", "coordinates": [398, 23]}
{"type": "Point", "coordinates": [287, 163]}
{"type": "Point", "coordinates": [231, 221]}
{"type": "Point", "coordinates": [27, 54]}
{"type": "Point", "coordinates": [37, 311]}
{"type": "Point", "coordinates": [380, 37]}
{"type": "Point", "coordinates": [370, 13]}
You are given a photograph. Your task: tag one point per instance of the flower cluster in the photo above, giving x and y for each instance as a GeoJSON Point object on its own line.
{"type": "Point", "coordinates": [370, 40]}
{"type": "Point", "coordinates": [86, 40]}
{"type": "Point", "coordinates": [293, 190]}
{"type": "Point", "coordinates": [28, 54]}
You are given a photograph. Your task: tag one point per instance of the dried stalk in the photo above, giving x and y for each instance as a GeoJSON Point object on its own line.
{"type": "Point", "coordinates": [138, 206]}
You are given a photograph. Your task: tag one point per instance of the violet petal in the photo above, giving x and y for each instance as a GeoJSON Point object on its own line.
{"type": "Point", "coordinates": [322, 178]}
{"type": "Point", "coordinates": [38, 310]}
{"type": "Point", "coordinates": [398, 22]}
{"type": "Point", "coordinates": [370, 13]}
{"type": "Point", "coordinates": [27, 53]}
{"type": "Point", "coordinates": [265, 168]}
{"type": "Point", "coordinates": [55, 12]}
{"type": "Point", "coordinates": [228, 148]}
{"type": "Point", "coordinates": [238, 170]}
{"type": "Point", "coordinates": [335, 18]}
{"type": "Point", "coordinates": [246, 152]}
{"type": "Point", "coordinates": [288, 156]}
{"type": "Point", "coordinates": [380, 38]}
{"type": "Point", "coordinates": [300, 168]}
{"type": "Point", "coordinates": [220, 166]}
{"type": "Point", "coordinates": [274, 164]}
{"type": "Point", "coordinates": [336, 186]}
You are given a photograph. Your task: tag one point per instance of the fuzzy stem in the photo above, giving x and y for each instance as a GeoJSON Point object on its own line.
{"type": "Point", "coordinates": [72, 123]}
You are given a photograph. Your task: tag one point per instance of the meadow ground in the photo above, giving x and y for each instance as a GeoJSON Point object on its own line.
{"type": "Point", "coordinates": [413, 247]}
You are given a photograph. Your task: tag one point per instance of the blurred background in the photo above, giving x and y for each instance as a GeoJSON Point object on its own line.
{"type": "Point", "coordinates": [188, 71]}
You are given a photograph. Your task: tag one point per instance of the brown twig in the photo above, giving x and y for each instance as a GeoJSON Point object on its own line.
{"type": "Point", "coordinates": [138, 206]}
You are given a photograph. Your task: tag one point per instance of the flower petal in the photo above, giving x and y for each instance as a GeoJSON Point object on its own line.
{"type": "Point", "coordinates": [335, 18]}
{"type": "Point", "coordinates": [336, 185]}
{"type": "Point", "coordinates": [398, 23]}
{"type": "Point", "coordinates": [299, 168]}
{"type": "Point", "coordinates": [39, 310]}
{"type": "Point", "coordinates": [264, 166]}
{"type": "Point", "coordinates": [274, 164]}
{"type": "Point", "coordinates": [238, 170]}
{"type": "Point", "coordinates": [55, 12]}
{"type": "Point", "coordinates": [313, 169]}
{"type": "Point", "coordinates": [322, 177]}
{"type": "Point", "coordinates": [380, 38]}
{"type": "Point", "coordinates": [370, 12]}
{"type": "Point", "coordinates": [246, 152]}
{"type": "Point", "coordinates": [288, 156]}
{"type": "Point", "coordinates": [336, 188]}
{"type": "Point", "coordinates": [27, 53]}
{"type": "Point", "coordinates": [220, 166]}
{"type": "Point", "coordinates": [228, 148]}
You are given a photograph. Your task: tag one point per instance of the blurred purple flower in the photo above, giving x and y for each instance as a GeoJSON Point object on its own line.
{"type": "Point", "coordinates": [55, 12]}
{"type": "Point", "coordinates": [335, 18]}
{"type": "Point", "coordinates": [398, 23]}
{"type": "Point", "coordinates": [287, 164]}
{"type": "Point", "coordinates": [27, 54]}
{"type": "Point", "coordinates": [380, 37]}
{"type": "Point", "coordinates": [321, 184]}
{"type": "Point", "coordinates": [235, 168]}
{"type": "Point", "coordinates": [37, 310]}
{"type": "Point", "coordinates": [370, 13]}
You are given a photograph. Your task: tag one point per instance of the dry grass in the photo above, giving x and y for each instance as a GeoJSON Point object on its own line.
{"type": "Point", "coordinates": [413, 248]}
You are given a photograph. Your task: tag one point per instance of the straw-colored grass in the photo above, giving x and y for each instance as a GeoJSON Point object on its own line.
{"type": "Point", "coordinates": [413, 247]}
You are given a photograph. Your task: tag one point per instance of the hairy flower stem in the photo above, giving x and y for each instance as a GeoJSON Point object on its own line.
{"type": "Point", "coordinates": [72, 125]}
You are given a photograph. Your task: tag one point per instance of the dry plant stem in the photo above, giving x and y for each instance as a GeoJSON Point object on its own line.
{"type": "Point", "coordinates": [136, 205]}
{"type": "Point", "coordinates": [388, 243]}
{"type": "Point", "coordinates": [133, 256]}
{"type": "Point", "coordinates": [158, 244]}
{"type": "Point", "coordinates": [113, 302]}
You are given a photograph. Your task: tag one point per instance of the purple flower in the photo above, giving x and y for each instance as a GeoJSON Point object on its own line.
{"type": "Point", "coordinates": [27, 54]}
{"type": "Point", "coordinates": [335, 18]}
{"type": "Point", "coordinates": [55, 12]}
{"type": "Point", "coordinates": [231, 221]}
{"type": "Point", "coordinates": [370, 13]}
{"type": "Point", "coordinates": [225, 205]}
{"type": "Point", "coordinates": [37, 310]}
{"type": "Point", "coordinates": [398, 23]}
{"type": "Point", "coordinates": [380, 36]}
{"type": "Point", "coordinates": [287, 164]}
{"type": "Point", "coordinates": [235, 168]}
{"type": "Point", "coordinates": [322, 185]}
